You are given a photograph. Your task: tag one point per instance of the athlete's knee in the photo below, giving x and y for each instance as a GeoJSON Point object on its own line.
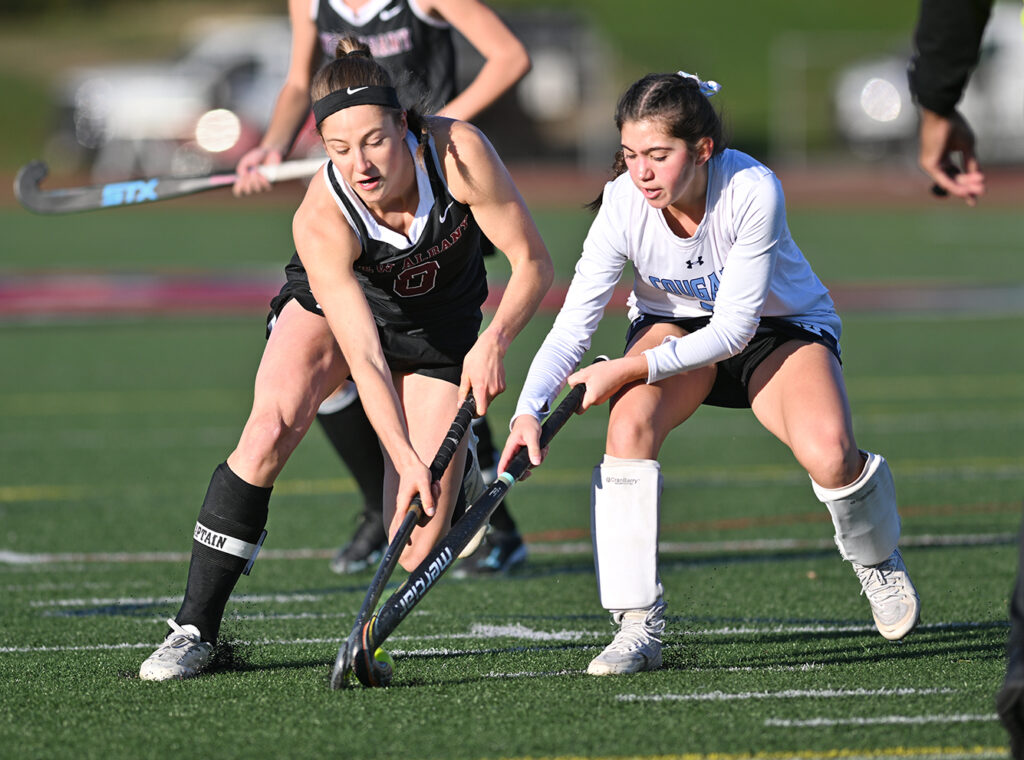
{"type": "Point", "coordinates": [830, 456]}
{"type": "Point", "coordinates": [630, 437]}
{"type": "Point", "coordinates": [268, 439]}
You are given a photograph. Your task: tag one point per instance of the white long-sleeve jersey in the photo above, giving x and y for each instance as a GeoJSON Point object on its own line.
{"type": "Point", "coordinates": [741, 264]}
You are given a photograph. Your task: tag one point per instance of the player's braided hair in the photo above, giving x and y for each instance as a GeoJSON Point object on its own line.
{"type": "Point", "coordinates": [675, 101]}
{"type": "Point", "coordinates": [355, 66]}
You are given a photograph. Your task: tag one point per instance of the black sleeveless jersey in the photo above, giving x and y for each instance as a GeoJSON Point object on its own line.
{"type": "Point", "coordinates": [417, 52]}
{"type": "Point", "coordinates": [437, 283]}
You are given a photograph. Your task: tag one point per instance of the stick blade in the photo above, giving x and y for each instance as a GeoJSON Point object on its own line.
{"type": "Point", "coordinates": [342, 667]}
{"type": "Point", "coordinates": [26, 186]}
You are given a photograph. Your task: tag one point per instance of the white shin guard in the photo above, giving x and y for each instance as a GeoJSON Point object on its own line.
{"type": "Point", "coordinates": [625, 495]}
{"type": "Point", "coordinates": [864, 513]}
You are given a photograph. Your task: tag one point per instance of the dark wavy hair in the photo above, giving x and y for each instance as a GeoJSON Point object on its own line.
{"type": "Point", "coordinates": [679, 105]}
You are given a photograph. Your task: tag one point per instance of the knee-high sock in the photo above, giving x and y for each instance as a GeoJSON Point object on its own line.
{"type": "Point", "coordinates": [349, 430]}
{"type": "Point", "coordinates": [230, 525]}
{"type": "Point", "coordinates": [864, 513]}
{"type": "Point", "coordinates": [625, 500]}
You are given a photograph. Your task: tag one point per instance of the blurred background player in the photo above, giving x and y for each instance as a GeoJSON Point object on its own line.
{"type": "Point", "coordinates": [387, 287]}
{"type": "Point", "coordinates": [725, 311]}
{"type": "Point", "coordinates": [412, 40]}
{"type": "Point", "coordinates": [947, 44]}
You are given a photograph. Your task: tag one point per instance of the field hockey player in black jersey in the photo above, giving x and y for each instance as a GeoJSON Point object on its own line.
{"type": "Point", "coordinates": [413, 40]}
{"type": "Point", "coordinates": [386, 288]}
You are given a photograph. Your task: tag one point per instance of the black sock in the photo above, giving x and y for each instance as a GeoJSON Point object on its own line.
{"type": "Point", "coordinates": [355, 440]}
{"type": "Point", "coordinates": [232, 509]}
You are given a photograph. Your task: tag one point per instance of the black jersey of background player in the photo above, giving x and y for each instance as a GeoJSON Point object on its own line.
{"type": "Point", "coordinates": [417, 52]}
{"type": "Point", "coordinates": [438, 281]}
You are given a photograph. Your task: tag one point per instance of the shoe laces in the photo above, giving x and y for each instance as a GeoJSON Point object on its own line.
{"type": "Point", "coordinates": [639, 628]}
{"type": "Point", "coordinates": [881, 582]}
{"type": "Point", "coordinates": [179, 632]}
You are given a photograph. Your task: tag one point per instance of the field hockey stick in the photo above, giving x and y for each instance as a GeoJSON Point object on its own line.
{"type": "Point", "coordinates": [374, 672]}
{"type": "Point", "coordinates": [133, 192]}
{"type": "Point", "coordinates": [343, 661]}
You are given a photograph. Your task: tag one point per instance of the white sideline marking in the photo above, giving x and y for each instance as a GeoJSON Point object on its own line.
{"type": "Point", "coordinates": [721, 696]}
{"type": "Point", "coordinates": [886, 720]}
{"type": "Point", "coordinates": [136, 601]}
{"type": "Point", "coordinates": [535, 673]}
{"type": "Point", "coordinates": [9, 557]}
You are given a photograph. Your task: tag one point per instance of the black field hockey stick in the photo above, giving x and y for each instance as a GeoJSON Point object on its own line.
{"type": "Point", "coordinates": [343, 661]}
{"type": "Point", "coordinates": [373, 672]}
{"type": "Point", "coordinates": [133, 192]}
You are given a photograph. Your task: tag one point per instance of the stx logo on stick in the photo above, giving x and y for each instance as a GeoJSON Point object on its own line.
{"type": "Point", "coordinates": [121, 193]}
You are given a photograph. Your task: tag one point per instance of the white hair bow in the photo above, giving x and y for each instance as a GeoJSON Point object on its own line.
{"type": "Point", "coordinates": [707, 89]}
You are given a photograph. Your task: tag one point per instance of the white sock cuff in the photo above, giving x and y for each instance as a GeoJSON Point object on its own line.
{"type": "Point", "coordinates": [833, 494]}
{"type": "Point", "coordinates": [610, 461]}
{"type": "Point", "coordinates": [339, 400]}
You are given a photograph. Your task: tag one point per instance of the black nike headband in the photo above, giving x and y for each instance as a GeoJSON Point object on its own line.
{"type": "Point", "coordinates": [369, 95]}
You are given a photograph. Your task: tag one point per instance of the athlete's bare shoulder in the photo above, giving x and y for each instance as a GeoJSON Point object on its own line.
{"type": "Point", "coordinates": [470, 163]}
{"type": "Point", "coordinates": [319, 221]}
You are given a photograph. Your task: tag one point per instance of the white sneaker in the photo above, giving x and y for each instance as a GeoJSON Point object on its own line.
{"type": "Point", "coordinates": [637, 645]}
{"type": "Point", "coordinates": [895, 604]}
{"type": "Point", "coordinates": [182, 655]}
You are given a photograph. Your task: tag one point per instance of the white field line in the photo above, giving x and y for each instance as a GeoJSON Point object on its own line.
{"type": "Point", "coordinates": [538, 548]}
{"type": "Point", "coordinates": [883, 720]}
{"type": "Point", "coordinates": [483, 632]}
{"type": "Point", "coordinates": [721, 696]}
{"type": "Point", "coordinates": [976, 468]}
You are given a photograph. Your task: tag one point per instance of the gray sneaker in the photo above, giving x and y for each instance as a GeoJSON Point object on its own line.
{"type": "Point", "coordinates": [637, 645]}
{"type": "Point", "coordinates": [182, 655]}
{"type": "Point", "coordinates": [895, 604]}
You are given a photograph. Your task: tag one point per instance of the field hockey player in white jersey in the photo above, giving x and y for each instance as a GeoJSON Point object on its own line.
{"type": "Point", "coordinates": [386, 288]}
{"type": "Point", "coordinates": [725, 311]}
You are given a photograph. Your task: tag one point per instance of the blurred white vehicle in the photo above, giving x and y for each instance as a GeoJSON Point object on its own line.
{"type": "Point", "coordinates": [184, 116]}
{"type": "Point", "coordinates": [877, 117]}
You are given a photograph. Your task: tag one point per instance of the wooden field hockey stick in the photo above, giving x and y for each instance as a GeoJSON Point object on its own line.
{"type": "Point", "coordinates": [368, 669]}
{"type": "Point", "coordinates": [343, 661]}
{"type": "Point", "coordinates": [133, 192]}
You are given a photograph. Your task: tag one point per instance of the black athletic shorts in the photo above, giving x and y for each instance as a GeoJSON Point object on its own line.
{"type": "Point", "coordinates": [429, 350]}
{"type": "Point", "coordinates": [733, 379]}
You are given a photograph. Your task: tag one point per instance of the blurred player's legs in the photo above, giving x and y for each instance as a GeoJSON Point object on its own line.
{"type": "Point", "coordinates": [1010, 699]}
{"type": "Point", "coordinates": [347, 428]}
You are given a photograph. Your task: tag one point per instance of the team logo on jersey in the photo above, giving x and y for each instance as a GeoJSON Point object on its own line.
{"type": "Point", "coordinates": [704, 289]}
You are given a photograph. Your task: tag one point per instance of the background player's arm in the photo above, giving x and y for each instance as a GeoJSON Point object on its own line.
{"type": "Point", "coordinates": [506, 60]}
{"type": "Point", "coordinates": [292, 105]}
{"type": "Point", "coordinates": [328, 248]}
{"type": "Point", "coordinates": [478, 178]}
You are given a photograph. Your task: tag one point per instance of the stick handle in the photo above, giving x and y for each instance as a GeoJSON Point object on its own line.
{"type": "Point", "coordinates": [299, 169]}
{"type": "Point", "coordinates": [459, 426]}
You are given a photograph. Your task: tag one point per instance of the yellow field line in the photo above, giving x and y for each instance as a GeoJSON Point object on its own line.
{"type": "Point", "coordinates": [918, 753]}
